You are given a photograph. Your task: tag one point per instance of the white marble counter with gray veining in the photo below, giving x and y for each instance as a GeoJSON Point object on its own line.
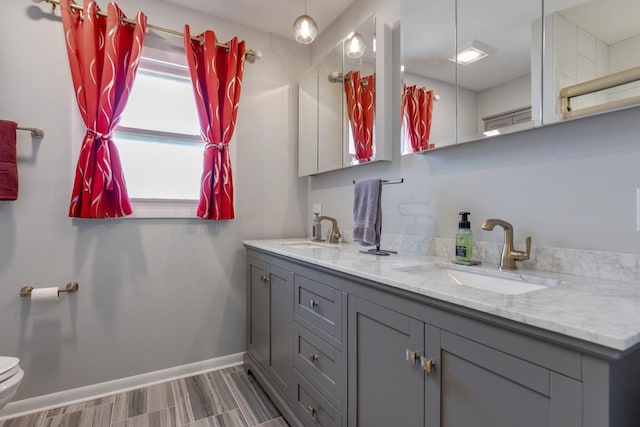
{"type": "Point", "coordinates": [596, 310]}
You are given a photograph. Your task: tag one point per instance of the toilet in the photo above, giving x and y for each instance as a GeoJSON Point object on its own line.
{"type": "Point", "coordinates": [10, 377]}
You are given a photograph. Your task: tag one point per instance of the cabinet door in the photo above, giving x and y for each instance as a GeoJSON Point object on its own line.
{"type": "Point", "coordinates": [384, 388]}
{"type": "Point", "coordinates": [281, 328]}
{"type": "Point", "coordinates": [270, 325]}
{"type": "Point", "coordinates": [481, 386]}
{"type": "Point", "coordinates": [258, 304]}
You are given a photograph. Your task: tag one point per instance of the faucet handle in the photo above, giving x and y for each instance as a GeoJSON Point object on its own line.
{"type": "Point", "coordinates": [522, 256]}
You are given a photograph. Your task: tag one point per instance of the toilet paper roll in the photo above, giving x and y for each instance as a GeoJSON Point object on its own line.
{"type": "Point", "coordinates": [44, 294]}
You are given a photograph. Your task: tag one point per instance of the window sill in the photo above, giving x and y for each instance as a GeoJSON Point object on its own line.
{"type": "Point", "coordinates": [163, 208]}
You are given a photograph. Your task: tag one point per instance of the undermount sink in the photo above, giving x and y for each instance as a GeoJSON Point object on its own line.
{"type": "Point", "coordinates": [302, 244]}
{"type": "Point", "coordinates": [491, 283]}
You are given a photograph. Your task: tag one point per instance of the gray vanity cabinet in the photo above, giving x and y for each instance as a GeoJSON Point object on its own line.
{"type": "Point", "coordinates": [384, 388]}
{"type": "Point", "coordinates": [336, 350]}
{"type": "Point", "coordinates": [468, 384]}
{"type": "Point", "coordinates": [270, 323]}
{"type": "Point", "coordinates": [485, 387]}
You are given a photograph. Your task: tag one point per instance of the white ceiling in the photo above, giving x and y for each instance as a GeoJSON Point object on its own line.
{"type": "Point", "coordinates": [271, 16]}
{"type": "Point", "coordinates": [506, 26]}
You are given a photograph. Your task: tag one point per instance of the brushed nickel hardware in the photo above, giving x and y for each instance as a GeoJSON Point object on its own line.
{"type": "Point", "coordinates": [25, 291]}
{"type": "Point", "coordinates": [595, 85]}
{"type": "Point", "coordinates": [264, 278]}
{"type": "Point", "coordinates": [509, 255]}
{"type": "Point", "coordinates": [428, 365]}
{"type": "Point", "coordinates": [312, 411]}
{"type": "Point", "coordinates": [313, 358]}
{"type": "Point", "coordinates": [335, 231]}
{"type": "Point", "coordinates": [313, 304]}
{"type": "Point", "coordinates": [35, 132]}
{"type": "Point", "coordinates": [412, 356]}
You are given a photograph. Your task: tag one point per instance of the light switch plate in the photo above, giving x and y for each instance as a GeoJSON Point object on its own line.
{"type": "Point", "coordinates": [317, 208]}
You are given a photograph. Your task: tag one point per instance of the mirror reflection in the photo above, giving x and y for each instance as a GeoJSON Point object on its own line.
{"type": "Point", "coordinates": [427, 75]}
{"type": "Point", "coordinates": [494, 66]}
{"type": "Point", "coordinates": [337, 98]}
{"type": "Point", "coordinates": [330, 112]}
{"type": "Point", "coordinates": [359, 86]}
{"type": "Point", "coordinates": [468, 72]}
{"type": "Point", "coordinates": [592, 63]}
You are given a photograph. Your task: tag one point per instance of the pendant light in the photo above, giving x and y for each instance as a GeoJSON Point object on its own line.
{"type": "Point", "coordinates": [304, 27]}
{"type": "Point", "coordinates": [355, 46]}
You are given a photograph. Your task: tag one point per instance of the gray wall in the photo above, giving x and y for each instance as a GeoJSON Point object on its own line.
{"type": "Point", "coordinates": [568, 185]}
{"type": "Point", "coordinates": [153, 293]}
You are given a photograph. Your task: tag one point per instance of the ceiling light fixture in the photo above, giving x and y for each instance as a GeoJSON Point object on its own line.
{"type": "Point", "coordinates": [474, 52]}
{"type": "Point", "coordinates": [304, 27]}
{"type": "Point", "coordinates": [355, 46]}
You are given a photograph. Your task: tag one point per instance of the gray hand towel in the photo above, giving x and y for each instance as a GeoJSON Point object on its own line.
{"type": "Point", "coordinates": [366, 212]}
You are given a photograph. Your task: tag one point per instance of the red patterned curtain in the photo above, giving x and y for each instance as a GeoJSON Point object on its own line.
{"type": "Point", "coordinates": [360, 93]}
{"type": "Point", "coordinates": [104, 56]}
{"type": "Point", "coordinates": [216, 74]}
{"type": "Point", "coordinates": [417, 112]}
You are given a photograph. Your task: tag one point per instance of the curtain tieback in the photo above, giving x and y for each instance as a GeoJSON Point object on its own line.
{"type": "Point", "coordinates": [219, 146]}
{"type": "Point", "coordinates": [106, 160]}
{"type": "Point", "coordinates": [99, 136]}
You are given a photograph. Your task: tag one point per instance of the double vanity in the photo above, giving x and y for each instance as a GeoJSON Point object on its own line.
{"type": "Point", "coordinates": [341, 338]}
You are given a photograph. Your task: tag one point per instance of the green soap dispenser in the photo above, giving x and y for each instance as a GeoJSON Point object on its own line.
{"type": "Point", "coordinates": [464, 239]}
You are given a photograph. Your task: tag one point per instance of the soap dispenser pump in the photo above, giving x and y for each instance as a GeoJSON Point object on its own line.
{"type": "Point", "coordinates": [464, 239]}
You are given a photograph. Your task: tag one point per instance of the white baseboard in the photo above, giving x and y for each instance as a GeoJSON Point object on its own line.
{"type": "Point", "coordinates": [96, 391]}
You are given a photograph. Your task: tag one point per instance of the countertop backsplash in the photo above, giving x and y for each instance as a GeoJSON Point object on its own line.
{"type": "Point", "coordinates": [598, 264]}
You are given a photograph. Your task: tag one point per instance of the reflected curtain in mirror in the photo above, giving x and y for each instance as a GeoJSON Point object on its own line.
{"type": "Point", "coordinates": [216, 74]}
{"type": "Point", "coordinates": [360, 96]}
{"type": "Point", "coordinates": [103, 55]}
{"type": "Point", "coordinates": [417, 113]}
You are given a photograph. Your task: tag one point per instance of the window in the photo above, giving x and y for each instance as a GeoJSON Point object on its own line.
{"type": "Point", "coordinates": [159, 139]}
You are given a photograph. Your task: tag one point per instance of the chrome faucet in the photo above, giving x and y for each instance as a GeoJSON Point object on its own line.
{"type": "Point", "coordinates": [334, 235]}
{"type": "Point", "coordinates": [509, 255]}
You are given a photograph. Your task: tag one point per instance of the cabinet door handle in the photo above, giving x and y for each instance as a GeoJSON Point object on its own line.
{"type": "Point", "coordinates": [312, 411]}
{"type": "Point", "coordinates": [264, 278]}
{"type": "Point", "coordinates": [428, 365]}
{"type": "Point", "coordinates": [313, 304]}
{"type": "Point", "coordinates": [313, 358]}
{"type": "Point", "coordinates": [412, 356]}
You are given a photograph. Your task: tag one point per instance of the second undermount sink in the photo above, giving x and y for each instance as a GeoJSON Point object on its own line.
{"type": "Point", "coordinates": [303, 244]}
{"type": "Point", "coordinates": [502, 285]}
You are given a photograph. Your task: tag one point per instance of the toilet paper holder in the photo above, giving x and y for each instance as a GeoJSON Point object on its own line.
{"type": "Point", "coordinates": [25, 291]}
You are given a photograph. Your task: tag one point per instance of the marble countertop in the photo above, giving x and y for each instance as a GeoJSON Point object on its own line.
{"type": "Point", "coordinates": [603, 312]}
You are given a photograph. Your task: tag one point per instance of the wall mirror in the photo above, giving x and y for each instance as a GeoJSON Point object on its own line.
{"type": "Point", "coordinates": [339, 125]}
{"type": "Point", "coordinates": [427, 75]}
{"type": "Point", "coordinates": [592, 57]}
{"type": "Point", "coordinates": [499, 46]}
{"type": "Point", "coordinates": [487, 88]}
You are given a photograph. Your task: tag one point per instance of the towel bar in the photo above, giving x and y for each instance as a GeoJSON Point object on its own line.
{"type": "Point", "coordinates": [385, 182]}
{"type": "Point", "coordinates": [35, 132]}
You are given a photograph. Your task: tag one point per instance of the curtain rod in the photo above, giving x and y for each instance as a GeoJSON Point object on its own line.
{"type": "Point", "coordinates": [250, 54]}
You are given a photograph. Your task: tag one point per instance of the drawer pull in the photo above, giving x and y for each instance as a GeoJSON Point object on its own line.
{"type": "Point", "coordinates": [314, 358]}
{"type": "Point", "coordinates": [312, 411]}
{"type": "Point", "coordinates": [412, 356]}
{"type": "Point", "coordinates": [428, 365]}
{"type": "Point", "coordinates": [313, 304]}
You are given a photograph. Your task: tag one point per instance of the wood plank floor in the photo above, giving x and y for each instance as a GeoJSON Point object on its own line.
{"type": "Point", "coordinates": [224, 398]}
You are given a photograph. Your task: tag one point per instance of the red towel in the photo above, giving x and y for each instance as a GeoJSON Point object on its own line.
{"type": "Point", "coordinates": [8, 164]}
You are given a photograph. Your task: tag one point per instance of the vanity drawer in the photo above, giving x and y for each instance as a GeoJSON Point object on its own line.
{"type": "Point", "coordinates": [320, 363]}
{"type": "Point", "coordinates": [319, 308]}
{"type": "Point", "coordinates": [312, 408]}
